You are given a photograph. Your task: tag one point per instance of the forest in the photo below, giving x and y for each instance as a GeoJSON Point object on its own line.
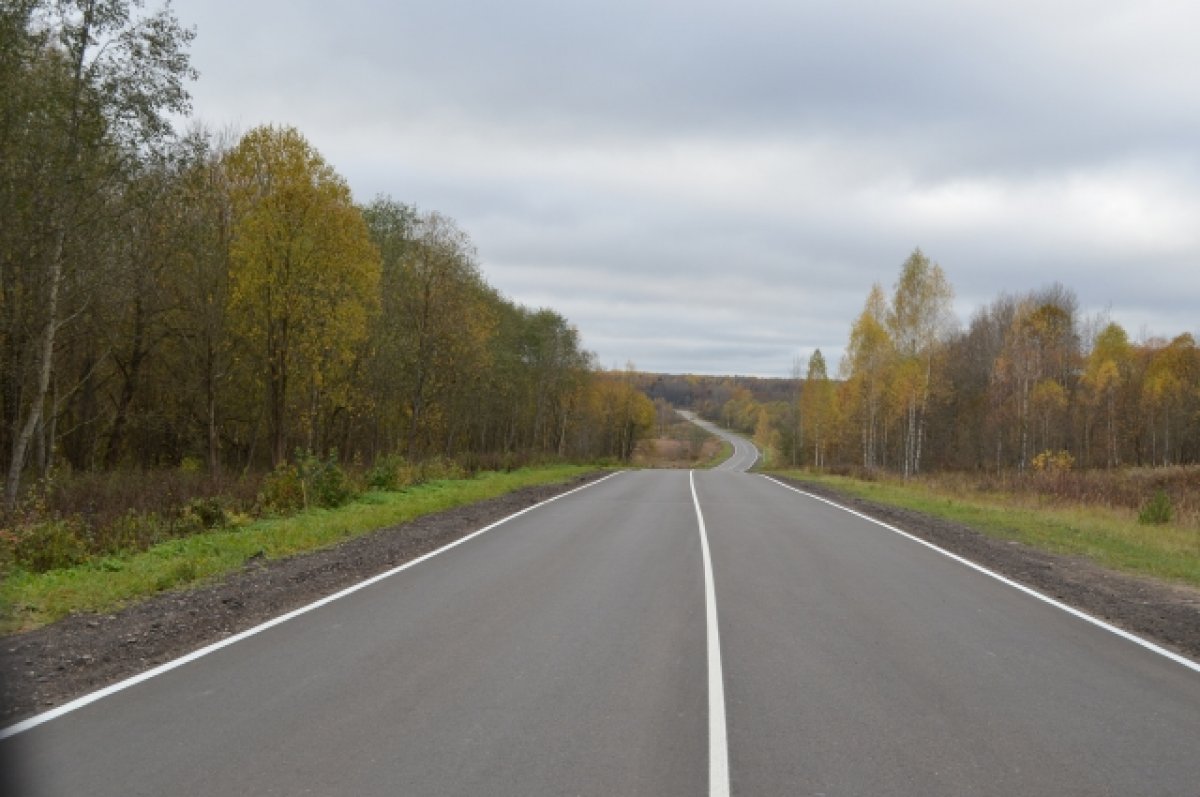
{"type": "Point", "coordinates": [1028, 384]}
{"type": "Point", "coordinates": [175, 297]}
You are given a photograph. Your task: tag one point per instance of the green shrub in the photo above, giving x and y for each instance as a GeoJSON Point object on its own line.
{"type": "Point", "coordinates": [391, 473]}
{"type": "Point", "coordinates": [310, 482]}
{"type": "Point", "coordinates": [325, 483]}
{"type": "Point", "coordinates": [207, 513]}
{"type": "Point", "coordinates": [1157, 510]}
{"type": "Point", "coordinates": [50, 544]}
{"type": "Point", "coordinates": [133, 531]}
{"type": "Point", "coordinates": [282, 490]}
{"type": "Point", "coordinates": [439, 468]}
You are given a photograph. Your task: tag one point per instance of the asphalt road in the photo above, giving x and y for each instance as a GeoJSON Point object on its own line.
{"type": "Point", "coordinates": [566, 652]}
{"type": "Point", "coordinates": [744, 453]}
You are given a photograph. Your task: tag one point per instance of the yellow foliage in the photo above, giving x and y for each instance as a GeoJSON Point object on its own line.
{"type": "Point", "coordinates": [304, 274]}
{"type": "Point", "coordinates": [1053, 461]}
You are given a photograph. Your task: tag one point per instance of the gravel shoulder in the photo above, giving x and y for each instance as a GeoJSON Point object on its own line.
{"type": "Point", "coordinates": [1166, 614]}
{"type": "Point", "coordinates": [49, 666]}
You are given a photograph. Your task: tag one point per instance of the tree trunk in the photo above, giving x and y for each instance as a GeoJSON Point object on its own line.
{"type": "Point", "coordinates": [12, 484]}
{"type": "Point", "coordinates": [116, 437]}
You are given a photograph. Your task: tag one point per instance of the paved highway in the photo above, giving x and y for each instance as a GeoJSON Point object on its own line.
{"type": "Point", "coordinates": [570, 651]}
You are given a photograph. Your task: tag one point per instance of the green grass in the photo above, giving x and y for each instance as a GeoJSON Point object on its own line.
{"type": "Point", "coordinates": [1110, 537]}
{"type": "Point", "coordinates": [29, 600]}
{"type": "Point", "coordinates": [723, 453]}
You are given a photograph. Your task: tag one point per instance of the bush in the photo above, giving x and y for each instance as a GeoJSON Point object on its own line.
{"type": "Point", "coordinates": [326, 484]}
{"type": "Point", "coordinates": [310, 482]}
{"type": "Point", "coordinates": [206, 513]}
{"type": "Point", "coordinates": [1157, 510]}
{"type": "Point", "coordinates": [282, 490]}
{"type": "Point", "coordinates": [391, 473]}
{"type": "Point", "coordinates": [438, 468]}
{"type": "Point", "coordinates": [1053, 462]}
{"type": "Point", "coordinates": [133, 531]}
{"type": "Point", "coordinates": [49, 544]}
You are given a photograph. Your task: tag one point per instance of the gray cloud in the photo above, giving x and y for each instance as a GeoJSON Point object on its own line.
{"type": "Point", "coordinates": [713, 187]}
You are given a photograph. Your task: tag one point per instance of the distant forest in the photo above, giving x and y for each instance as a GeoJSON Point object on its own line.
{"type": "Point", "coordinates": [1027, 384]}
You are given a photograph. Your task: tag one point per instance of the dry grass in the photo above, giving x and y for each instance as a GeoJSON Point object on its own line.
{"type": "Point", "coordinates": [683, 445]}
{"type": "Point", "coordinates": [1127, 489]}
{"type": "Point", "coordinates": [1089, 514]}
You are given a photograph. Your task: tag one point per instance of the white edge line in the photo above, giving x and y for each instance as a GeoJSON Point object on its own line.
{"type": "Point", "coordinates": [1134, 638]}
{"type": "Point", "coordinates": [92, 697]}
{"type": "Point", "coordinates": [718, 745]}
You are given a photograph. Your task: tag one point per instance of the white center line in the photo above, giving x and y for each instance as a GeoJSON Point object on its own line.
{"type": "Point", "coordinates": [718, 746]}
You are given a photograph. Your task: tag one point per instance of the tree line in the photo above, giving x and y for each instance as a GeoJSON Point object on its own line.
{"type": "Point", "coordinates": [224, 299]}
{"type": "Point", "coordinates": [1028, 383]}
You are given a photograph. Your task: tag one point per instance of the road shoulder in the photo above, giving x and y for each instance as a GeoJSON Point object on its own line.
{"type": "Point", "coordinates": [47, 667]}
{"type": "Point", "coordinates": [1167, 614]}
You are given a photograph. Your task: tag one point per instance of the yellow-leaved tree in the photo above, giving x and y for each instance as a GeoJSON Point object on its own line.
{"type": "Point", "coordinates": [304, 278]}
{"type": "Point", "coordinates": [865, 367]}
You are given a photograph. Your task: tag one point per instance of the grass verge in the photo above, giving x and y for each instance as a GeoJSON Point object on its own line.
{"type": "Point", "coordinates": [29, 600]}
{"type": "Point", "coordinates": [723, 453]}
{"type": "Point", "coordinates": [1112, 537]}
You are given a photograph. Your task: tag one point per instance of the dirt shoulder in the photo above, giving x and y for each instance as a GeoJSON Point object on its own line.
{"type": "Point", "coordinates": [49, 666]}
{"type": "Point", "coordinates": [1164, 613]}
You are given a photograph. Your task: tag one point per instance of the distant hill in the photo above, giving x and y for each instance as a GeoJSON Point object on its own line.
{"type": "Point", "coordinates": [707, 394]}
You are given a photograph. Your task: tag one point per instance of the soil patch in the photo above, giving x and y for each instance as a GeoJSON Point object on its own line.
{"type": "Point", "coordinates": [1165, 613]}
{"type": "Point", "coordinates": [49, 666]}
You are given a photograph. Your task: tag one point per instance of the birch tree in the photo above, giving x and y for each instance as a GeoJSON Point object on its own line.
{"type": "Point", "coordinates": [920, 318]}
{"type": "Point", "coordinates": [817, 407]}
{"type": "Point", "coordinates": [865, 367]}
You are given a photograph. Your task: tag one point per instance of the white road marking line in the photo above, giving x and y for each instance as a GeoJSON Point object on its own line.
{"type": "Point", "coordinates": [1137, 640]}
{"type": "Point", "coordinates": [80, 702]}
{"type": "Point", "coordinates": [718, 746]}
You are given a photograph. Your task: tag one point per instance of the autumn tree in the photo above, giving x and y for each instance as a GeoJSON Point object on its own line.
{"type": "Point", "coordinates": [304, 274]}
{"type": "Point", "coordinates": [619, 413]}
{"type": "Point", "coordinates": [920, 318]}
{"type": "Point", "coordinates": [1106, 371]}
{"type": "Point", "coordinates": [1169, 396]}
{"type": "Point", "coordinates": [817, 407]}
{"type": "Point", "coordinates": [865, 367]}
{"type": "Point", "coordinates": [90, 87]}
{"type": "Point", "coordinates": [1041, 350]}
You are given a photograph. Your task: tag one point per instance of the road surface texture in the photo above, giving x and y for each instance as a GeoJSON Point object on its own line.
{"type": "Point", "coordinates": [566, 652]}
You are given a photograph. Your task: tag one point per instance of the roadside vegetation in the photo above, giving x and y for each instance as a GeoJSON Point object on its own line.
{"type": "Point", "coordinates": [1032, 421]}
{"type": "Point", "coordinates": [194, 545]}
{"type": "Point", "coordinates": [1029, 382]}
{"type": "Point", "coordinates": [202, 332]}
{"type": "Point", "coordinates": [1144, 521]}
{"type": "Point", "coordinates": [677, 443]}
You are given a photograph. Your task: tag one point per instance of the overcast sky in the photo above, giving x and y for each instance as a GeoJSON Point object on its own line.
{"type": "Point", "coordinates": [713, 187]}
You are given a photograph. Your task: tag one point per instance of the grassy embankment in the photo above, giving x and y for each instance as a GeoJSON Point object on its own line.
{"type": "Point", "coordinates": [1108, 534]}
{"type": "Point", "coordinates": [29, 600]}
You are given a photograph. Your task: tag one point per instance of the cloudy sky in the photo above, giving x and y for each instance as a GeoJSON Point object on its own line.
{"type": "Point", "coordinates": [713, 187]}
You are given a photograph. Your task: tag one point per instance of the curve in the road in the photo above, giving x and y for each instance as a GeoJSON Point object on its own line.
{"type": "Point", "coordinates": [745, 454]}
